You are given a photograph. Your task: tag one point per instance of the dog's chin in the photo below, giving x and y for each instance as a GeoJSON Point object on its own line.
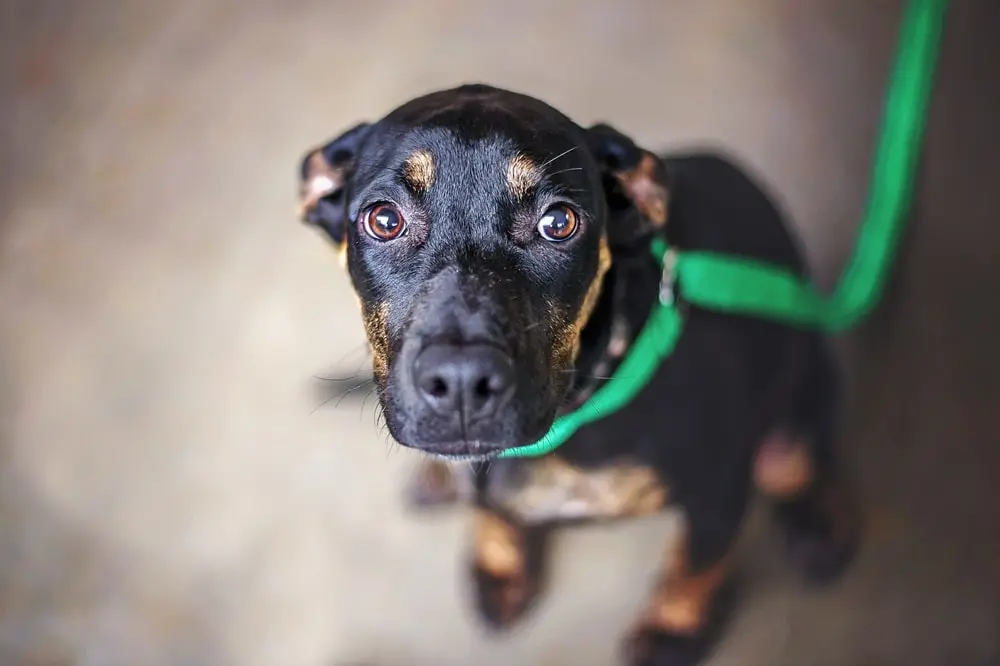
{"type": "Point", "coordinates": [470, 449]}
{"type": "Point", "coordinates": [460, 451]}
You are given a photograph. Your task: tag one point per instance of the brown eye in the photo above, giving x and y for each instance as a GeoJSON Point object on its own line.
{"type": "Point", "coordinates": [559, 223]}
{"type": "Point", "coordinates": [384, 222]}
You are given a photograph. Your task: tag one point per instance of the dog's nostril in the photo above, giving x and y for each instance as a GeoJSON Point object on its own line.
{"type": "Point", "coordinates": [438, 388]}
{"type": "Point", "coordinates": [486, 387]}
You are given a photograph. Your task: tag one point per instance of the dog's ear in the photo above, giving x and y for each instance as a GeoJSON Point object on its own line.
{"type": "Point", "coordinates": [323, 179]}
{"type": "Point", "coordinates": [635, 185]}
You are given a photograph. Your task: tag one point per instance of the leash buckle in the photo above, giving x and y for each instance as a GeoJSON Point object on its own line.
{"type": "Point", "coordinates": [668, 277]}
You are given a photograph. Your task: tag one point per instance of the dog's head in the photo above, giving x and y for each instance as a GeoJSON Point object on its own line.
{"type": "Point", "coordinates": [477, 226]}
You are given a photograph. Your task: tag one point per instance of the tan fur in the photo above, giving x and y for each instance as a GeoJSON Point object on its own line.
{"type": "Point", "coordinates": [783, 467]}
{"type": "Point", "coordinates": [522, 175]}
{"type": "Point", "coordinates": [681, 603]}
{"type": "Point", "coordinates": [498, 548]}
{"type": "Point", "coordinates": [642, 185]}
{"type": "Point", "coordinates": [320, 180]}
{"type": "Point", "coordinates": [342, 255]}
{"type": "Point", "coordinates": [556, 490]}
{"type": "Point", "coordinates": [419, 171]}
{"type": "Point", "coordinates": [594, 290]}
{"type": "Point", "coordinates": [566, 334]}
{"type": "Point", "coordinates": [375, 319]}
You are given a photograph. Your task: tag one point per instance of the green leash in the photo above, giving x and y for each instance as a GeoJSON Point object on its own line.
{"type": "Point", "coordinates": [742, 286]}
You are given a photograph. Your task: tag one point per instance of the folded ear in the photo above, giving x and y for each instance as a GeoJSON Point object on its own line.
{"type": "Point", "coordinates": [635, 185]}
{"type": "Point", "coordinates": [323, 182]}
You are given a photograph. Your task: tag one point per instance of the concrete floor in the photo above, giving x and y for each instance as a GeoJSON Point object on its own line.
{"type": "Point", "coordinates": [169, 496]}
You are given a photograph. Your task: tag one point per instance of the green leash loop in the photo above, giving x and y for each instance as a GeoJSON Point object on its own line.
{"type": "Point", "coordinates": [742, 286]}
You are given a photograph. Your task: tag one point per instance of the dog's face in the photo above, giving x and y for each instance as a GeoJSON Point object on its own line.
{"type": "Point", "coordinates": [477, 226]}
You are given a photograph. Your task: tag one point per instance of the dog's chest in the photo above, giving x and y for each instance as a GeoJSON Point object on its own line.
{"type": "Point", "coordinates": [550, 489]}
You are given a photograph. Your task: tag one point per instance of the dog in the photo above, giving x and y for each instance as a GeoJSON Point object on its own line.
{"type": "Point", "coordinates": [501, 254]}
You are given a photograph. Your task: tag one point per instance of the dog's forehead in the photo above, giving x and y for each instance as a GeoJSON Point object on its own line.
{"type": "Point", "coordinates": [488, 120]}
{"type": "Point", "coordinates": [477, 112]}
{"type": "Point", "coordinates": [511, 145]}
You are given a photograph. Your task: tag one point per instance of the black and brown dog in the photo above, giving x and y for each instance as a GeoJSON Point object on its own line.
{"type": "Point", "coordinates": [501, 254]}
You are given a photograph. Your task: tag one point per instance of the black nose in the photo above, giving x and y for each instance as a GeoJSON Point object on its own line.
{"type": "Point", "coordinates": [473, 380]}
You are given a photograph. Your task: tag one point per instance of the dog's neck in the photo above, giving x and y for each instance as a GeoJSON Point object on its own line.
{"type": "Point", "coordinates": [629, 291]}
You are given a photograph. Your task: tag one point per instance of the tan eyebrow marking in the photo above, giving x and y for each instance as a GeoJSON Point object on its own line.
{"type": "Point", "coordinates": [522, 175]}
{"type": "Point", "coordinates": [418, 171]}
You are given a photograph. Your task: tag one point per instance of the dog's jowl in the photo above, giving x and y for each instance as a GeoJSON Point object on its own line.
{"type": "Point", "coordinates": [501, 254]}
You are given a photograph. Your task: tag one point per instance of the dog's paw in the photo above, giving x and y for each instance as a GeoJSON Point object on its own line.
{"type": "Point", "coordinates": [507, 568]}
{"type": "Point", "coordinates": [686, 634]}
{"type": "Point", "coordinates": [818, 555]}
{"type": "Point", "coordinates": [502, 601]}
{"type": "Point", "coordinates": [650, 647]}
{"type": "Point", "coordinates": [822, 535]}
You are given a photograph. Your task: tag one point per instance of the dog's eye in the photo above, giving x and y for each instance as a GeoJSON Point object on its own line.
{"type": "Point", "coordinates": [559, 223]}
{"type": "Point", "coordinates": [384, 222]}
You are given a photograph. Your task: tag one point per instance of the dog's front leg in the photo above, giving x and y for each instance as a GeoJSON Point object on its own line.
{"type": "Point", "coordinates": [520, 502]}
{"type": "Point", "coordinates": [687, 606]}
{"type": "Point", "coordinates": [507, 565]}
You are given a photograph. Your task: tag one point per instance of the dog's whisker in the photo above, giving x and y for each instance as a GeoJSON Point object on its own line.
{"type": "Point", "coordinates": [380, 421]}
{"type": "Point", "coordinates": [339, 398]}
{"type": "Point", "coordinates": [321, 405]}
{"type": "Point", "coordinates": [365, 382]}
{"type": "Point", "coordinates": [562, 154]}
{"type": "Point", "coordinates": [364, 401]}
{"type": "Point", "coordinates": [480, 463]}
{"type": "Point", "coordinates": [337, 380]}
{"type": "Point", "coordinates": [566, 170]}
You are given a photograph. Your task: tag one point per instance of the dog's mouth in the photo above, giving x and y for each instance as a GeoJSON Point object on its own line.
{"type": "Point", "coordinates": [463, 452]}
{"type": "Point", "coordinates": [439, 445]}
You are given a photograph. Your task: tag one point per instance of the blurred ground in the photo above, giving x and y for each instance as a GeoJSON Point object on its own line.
{"type": "Point", "coordinates": [168, 496]}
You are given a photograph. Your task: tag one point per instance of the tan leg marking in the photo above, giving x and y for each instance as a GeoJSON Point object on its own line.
{"type": "Point", "coordinates": [498, 546]}
{"type": "Point", "coordinates": [783, 467]}
{"type": "Point", "coordinates": [681, 602]}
